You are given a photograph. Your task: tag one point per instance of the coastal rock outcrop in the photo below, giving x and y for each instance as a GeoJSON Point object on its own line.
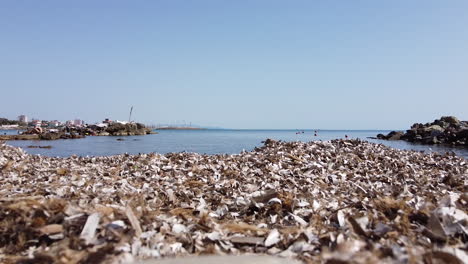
{"type": "Point", "coordinates": [447, 130]}
{"type": "Point", "coordinates": [113, 129]}
{"type": "Point", "coordinates": [130, 129]}
{"type": "Point", "coordinates": [59, 135]}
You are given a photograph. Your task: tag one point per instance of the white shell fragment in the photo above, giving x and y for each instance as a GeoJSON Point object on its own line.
{"type": "Point", "coordinates": [341, 218]}
{"type": "Point", "coordinates": [89, 230]}
{"type": "Point", "coordinates": [272, 238]}
{"type": "Point", "coordinates": [178, 228]}
{"type": "Point", "coordinates": [298, 219]}
{"type": "Point", "coordinates": [133, 221]}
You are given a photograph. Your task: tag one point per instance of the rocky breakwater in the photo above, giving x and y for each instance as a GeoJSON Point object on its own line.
{"type": "Point", "coordinates": [129, 129]}
{"type": "Point", "coordinates": [447, 130]}
{"type": "Point", "coordinates": [59, 135]}
{"type": "Point", "coordinates": [42, 136]}
{"type": "Point", "coordinates": [319, 202]}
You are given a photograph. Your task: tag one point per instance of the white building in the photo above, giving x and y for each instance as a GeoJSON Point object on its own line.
{"type": "Point", "coordinates": [37, 123]}
{"type": "Point", "coordinates": [78, 122]}
{"type": "Point", "coordinates": [121, 122]}
{"type": "Point", "coordinates": [54, 123]}
{"type": "Point", "coordinates": [23, 118]}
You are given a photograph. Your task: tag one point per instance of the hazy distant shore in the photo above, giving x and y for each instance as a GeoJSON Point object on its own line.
{"type": "Point", "coordinates": [179, 128]}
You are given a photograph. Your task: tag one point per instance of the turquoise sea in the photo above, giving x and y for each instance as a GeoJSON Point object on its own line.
{"type": "Point", "coordinates": [211, 141]}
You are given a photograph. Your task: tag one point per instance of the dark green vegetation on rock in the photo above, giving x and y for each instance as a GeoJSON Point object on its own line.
{"type": "Point", "coordinates": [5, 121]}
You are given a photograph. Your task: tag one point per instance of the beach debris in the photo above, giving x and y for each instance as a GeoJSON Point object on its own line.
{"type": "Point", "coordinates": [247, 240]}
{"type": "Point", "coordinates": [339, 201]}
{"type": "Point", "coordinates": [89, 230]}
{"type": "Point", "coordinates": [133, 221]}
{"type": "Point", "coordinates": [246, 259]}
{"type": "Point", "coordinates": [272, 238]}
{"type": "Point", "coordinates": [51, 229]}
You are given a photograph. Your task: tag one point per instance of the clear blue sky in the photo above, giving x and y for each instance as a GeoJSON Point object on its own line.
{"type": "Point", "coordinates": [236, 64]}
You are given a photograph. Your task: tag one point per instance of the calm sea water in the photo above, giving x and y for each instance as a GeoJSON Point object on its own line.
{"type": "Point", "coordinates": [203, 141]}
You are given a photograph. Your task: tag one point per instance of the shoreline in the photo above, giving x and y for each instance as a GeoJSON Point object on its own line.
{"type": "Point", "coordinates": [289, 199]}
{"type": "Point", "coordinates": [81, 148]}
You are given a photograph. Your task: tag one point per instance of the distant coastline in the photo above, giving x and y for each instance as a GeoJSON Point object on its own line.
{"type": "Point", "coordinates": [179, 128]}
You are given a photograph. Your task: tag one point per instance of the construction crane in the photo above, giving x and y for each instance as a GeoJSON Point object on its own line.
{"type": "Point", "coordinates": [130, 116]}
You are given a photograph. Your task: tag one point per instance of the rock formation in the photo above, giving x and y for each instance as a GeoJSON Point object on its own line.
{"type": "Point", "coordinates": [130, 129]}
{"type": "Point", "coordinates": [447, 130]}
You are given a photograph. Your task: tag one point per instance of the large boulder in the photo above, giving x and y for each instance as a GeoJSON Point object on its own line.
{"type": "Point", "coordinates": [381, 136]}
{"type": "Point", "coordinates": [441, 123]}
{"type": "Point", "coordinates": [462, 135]}
{"type": "Point", "coordinates": [115, 128]}
{"type": "Point", "coordinates": [433, 131]}
{"type": "Point", "coordinates": [434, 128]}
{"type": "Point", "coordinates": [450, 119]}
{"type": "Point", "coordinates": [140, 126]}
{"type": "Point", "coordinates": [430, 140]}
{"type": "Point", "coordinates": [50, 136]}
{"type": "Point", "coordinates": [394, 135]}
{"type": "Point", "coordinates": [410, 135]}
{"type": "Point", "coordinates": [416, 126]}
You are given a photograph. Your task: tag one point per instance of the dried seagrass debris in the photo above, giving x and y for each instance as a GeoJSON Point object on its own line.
{"type": "Point", "coordinates": [331, 202]}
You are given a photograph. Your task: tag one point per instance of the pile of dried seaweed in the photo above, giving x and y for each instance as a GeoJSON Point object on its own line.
{"type": "Point", "coordinates": [334, 202]}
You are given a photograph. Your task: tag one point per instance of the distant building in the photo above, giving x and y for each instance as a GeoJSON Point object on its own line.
{"type": "Point", "coordinates": [23, 119]}
{"type": "Point", "coordinates": [53, 123]}
{"type": "Point", "coordinates": [36, 122]}
{"type": "Point", "coordinates": [78, 122]}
